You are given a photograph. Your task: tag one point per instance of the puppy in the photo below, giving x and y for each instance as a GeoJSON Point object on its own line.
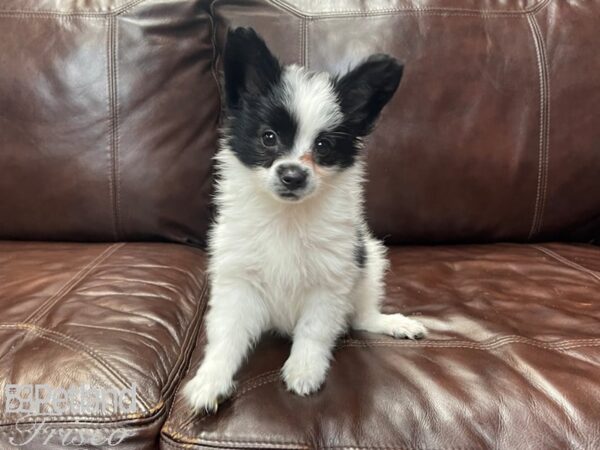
{"type": "Point", "coordinates": [290, 250]}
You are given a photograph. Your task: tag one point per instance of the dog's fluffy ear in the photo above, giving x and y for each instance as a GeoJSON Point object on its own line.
{"type": "Point", "coordinates": [366, 89]}
{"type": "Point", "coordinates": [250, 68]}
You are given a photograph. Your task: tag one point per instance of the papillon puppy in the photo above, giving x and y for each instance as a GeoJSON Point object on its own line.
{"type": "Point", "coordinates": [290, 251]}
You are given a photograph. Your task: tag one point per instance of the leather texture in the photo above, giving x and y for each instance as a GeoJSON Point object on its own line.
{"type": "Point", "coordinates": [105, 315]}
{"type": "Point", "coordinates": [492, 134]}
{"type": "Point", "coordinates": [511, 362]}
{"type": "Point", "coordinates": [107, 120]}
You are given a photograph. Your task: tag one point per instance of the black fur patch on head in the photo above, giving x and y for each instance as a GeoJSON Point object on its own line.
{"type": "Point", "coordinates": [366, 89]}
{"type": "Point", "coordinates": [342, 149]}
{"type": "Point", "coordinates": [254, 105]}
{"type": "Point", "coordinates": [248, 124]}
{"type": "Point", "coordinates": [250, 68]}
{"type": "Point", "coordinates": [362, 94]}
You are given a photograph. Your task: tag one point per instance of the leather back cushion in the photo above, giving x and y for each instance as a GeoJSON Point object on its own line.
{"type": "Point", "coordinates": [493, 133]}
{"type": "Point", "coordinates": [108, 113]}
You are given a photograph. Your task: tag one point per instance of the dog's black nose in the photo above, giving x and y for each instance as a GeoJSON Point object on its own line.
{"type": "Point", "coordinates": [292, 176]}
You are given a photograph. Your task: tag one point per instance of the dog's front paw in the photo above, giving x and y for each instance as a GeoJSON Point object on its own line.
{"type": "Point", "coordinates": [204, 392]}
{"type": "Point", "coordinates": [303, 376]}
{"type": "Point", "coordinates": [402, 327]}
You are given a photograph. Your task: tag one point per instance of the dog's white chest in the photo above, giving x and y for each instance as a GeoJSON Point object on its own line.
{"type": "Point", "coordinates": [288, 264]}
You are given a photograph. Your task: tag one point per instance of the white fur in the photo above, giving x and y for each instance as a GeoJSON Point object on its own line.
{"type": "Point", "coordinates": [311, 98]}
{"type": "Point", "coordinates": [289, 266]}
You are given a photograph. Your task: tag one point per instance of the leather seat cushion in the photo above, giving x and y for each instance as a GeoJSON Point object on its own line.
{"type": "Point", "coordinates": [512, 360]}
{"type": "Point", "coordinates": [102, 315]}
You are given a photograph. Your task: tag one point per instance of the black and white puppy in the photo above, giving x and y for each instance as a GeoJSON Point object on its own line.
{"type": "Point", "coordinates": [290, 250]}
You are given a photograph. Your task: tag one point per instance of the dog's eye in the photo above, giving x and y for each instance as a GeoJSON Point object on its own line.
{"type": "Point", "coordinates": [269, 138]}
{"type": "Point", "coordinates": [322, 146]}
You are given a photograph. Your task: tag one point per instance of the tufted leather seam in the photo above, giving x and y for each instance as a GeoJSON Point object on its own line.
{"type": "Point", "coordinates": [541, 134]}
{"type": "Point", "coordinates": [427, 14]}
{"type": "Point", "coordinates": [25, 15]}
{"type": "Point", "coordinates": [113, 125]}
{"type": "Point", "coordinates": [493, 343]}
{"type": "Point", "coordinates": [304, 42]}
{"type": "Point", "coordinates": [204, 302]}
{"type": "Point", "coordinates": [543, 118]}
{"type": "Point", "coordinates": [357, 13]}
{"type": "Point", "coordinates": [35, 315]}
{"type": "Point", "coordinates": [61, 14]}
{"type": "Point", "coordinates": [168, 433]}
{"type": "Point", "coordinates": [283, 444]}
{"type": "Point", "coordinates": [567, 262]}
{"type": "Point", "coordinates": [483, 344]}
{"type": "Point", "coordinates": [558, 348]}
{"type": "Point", "coordinates": [76, 346]}
{"type": "Point", "coordinates": [109, 100]}
{"type": "Point", "coordinates": [85, 422]}
{"type": "Point", "coordinates": [546, 148]}
{"type": "Point", "coordinates": [117, 133]}
{"type": "Point", "coordinates": [188, 346]}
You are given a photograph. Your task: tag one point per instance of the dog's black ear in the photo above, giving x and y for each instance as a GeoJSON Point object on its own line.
{"type": "Point", "coordinates": [249, 65]}
{"type": "Point", "coordinates": [366, 89]}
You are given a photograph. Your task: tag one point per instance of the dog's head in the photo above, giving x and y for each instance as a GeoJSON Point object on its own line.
{"type": "Point", "coordinates": [293, 129]}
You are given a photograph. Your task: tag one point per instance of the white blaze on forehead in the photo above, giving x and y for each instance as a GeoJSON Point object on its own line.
{"type": "Point", "coordinates": [312, 100]}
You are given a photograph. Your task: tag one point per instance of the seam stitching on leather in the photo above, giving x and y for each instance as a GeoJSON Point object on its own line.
{"type": "Point", "coordinates": [112, 136]}
{"type": "Point", "coordinates": [208, 441]}
{"type": "Point", "coordinates": [74, 14]}
{"type": "Point", "coordinates": [26, 15]}
{"type": "Point", "coordinates": [109, 154]}
{"type": "Point", "coordinates": [34, 316]}
{"type": "Point", "coordinates": [299, 44]}
{"type": "Point", "coordinates": [50, 304]}
{"type": "Point", "coordinates": [567, 262]}
{"type": "Point", "coordinates": [203, 304]}
{"type": "Point", "coordinates": [306, 42]}
{"type": "Point", "coordinates": [475, 347]}
{"type": "Point", "coordinates": [187, 346]}
{"type": "Point", "coordinates": [86, 422]}
{"type": "Point", "coordinates": [117, 137]}
{"type": "Point", "coordinates": [546, 142]}
{"type": "Point", "coordinates": [543, 91]}
{"type": "Point", "coordinates": [76, 346]}
{"type": "Point", "coordinates": [431, 11]}
{"type": "Point", "coordinates": [303, 57]}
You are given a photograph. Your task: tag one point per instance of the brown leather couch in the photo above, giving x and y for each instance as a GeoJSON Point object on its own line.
{"type": "Point", "coordinates": [483, 180]}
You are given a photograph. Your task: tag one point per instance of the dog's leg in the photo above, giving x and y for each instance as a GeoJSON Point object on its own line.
{"type": "Point", "coordinates": [236, 319]}
{"type": "Point", "coordinates": [323, 319]}
{"type": "Point", "coordinates": [368, 294]}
